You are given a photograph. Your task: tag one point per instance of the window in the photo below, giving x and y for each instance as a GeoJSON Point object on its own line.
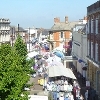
{"type": "Point", "coordinates": [88, 47]}
{"type": "Point", "coordinates": [96, 52]}
{"type": "Point", "coordinates": [61, 34]}
{"type": "Point", "coordinates": [88, 26]}
{"type": "Point", "coordinates": [96, 26]}
{"type": "Point", "coordinates": [91, 49]}
{"type": "Point", "coordinates": [91, 26]}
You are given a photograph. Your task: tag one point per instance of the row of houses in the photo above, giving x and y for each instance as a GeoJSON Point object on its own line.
{"type": "Point", "coordinates": [9, 33]}
{"type": "Point", "coordinates": [85, 37]}
{"type": "Point", "coordinates": [61, 33]}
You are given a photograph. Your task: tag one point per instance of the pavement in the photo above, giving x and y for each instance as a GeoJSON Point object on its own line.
{"type": "Point", "coordinates": [36, 89]}
{"type": "Point", "coordinates": [81, 83]}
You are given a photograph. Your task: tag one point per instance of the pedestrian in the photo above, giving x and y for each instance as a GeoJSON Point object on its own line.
{"type": "Point", "coordinates": [66, 97]}
{"type": "Point", "coordinates": [61, 97]}
{"type": "Point", "coordinates": [81, 98]}
{"type": "Point", "coordinates": [65, 87]}
{"type": "Point", "coordinates": [86, 95]}
{"type": "Point", "coordinates": [70, 97]}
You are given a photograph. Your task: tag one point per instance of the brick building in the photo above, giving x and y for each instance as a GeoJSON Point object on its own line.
{"type": "Point", "coordinates": [60, 33]}
{"type": "Point", "coordinates": [93, 45]}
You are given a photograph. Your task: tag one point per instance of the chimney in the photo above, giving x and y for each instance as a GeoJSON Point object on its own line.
{"type": "Point", "coordinates": [66, 19]}
{"type": "Point", "coordinates": [57, 20]}
{"type": "Point", "coordinates": [85, 17]}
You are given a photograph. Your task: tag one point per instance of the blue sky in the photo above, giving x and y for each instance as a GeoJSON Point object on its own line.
{"type": "Point", "coordinates": [41, 13]}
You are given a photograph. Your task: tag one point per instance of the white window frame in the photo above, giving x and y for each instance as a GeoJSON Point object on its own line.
{"type": "Point", "coordinates": [88, 47]}
{"type": "Point", "coordinates": [88, 27]}
{"type": "Point", "coordinates": [96, 26]}
{"type": "Point", "coordinates": [96, 52]}
{"type": "Point", "coordinates": [91, 49]}
{"type": "Point", "coordinates": [91, 25]}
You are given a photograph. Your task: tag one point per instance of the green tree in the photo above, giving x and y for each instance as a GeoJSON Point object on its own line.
{"type": "Point", "coordinates": [21, 49]}
{"type": "Point", "coordinates": [13, 71]}
{"type": "Point", "coordinates": [20, 46]}
{"type": "Point", "coordinates": [12, 76]}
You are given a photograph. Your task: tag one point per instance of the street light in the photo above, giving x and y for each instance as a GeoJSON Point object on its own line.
{"type": "Point", "coordinates": [18, 29]}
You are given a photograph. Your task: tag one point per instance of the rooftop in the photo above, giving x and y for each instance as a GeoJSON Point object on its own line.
{"type": "Point", "coordinates": [20, 29]}
{"type": "Point", "coordinates": [93, 8]}
{"type": "Point", "coordinates": [80, 28]}
{"type": "Point", "coordinates": [63, 26]}
{"type": "Point", "coordinates": [3, 20]}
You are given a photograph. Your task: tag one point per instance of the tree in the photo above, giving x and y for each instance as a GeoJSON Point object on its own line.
{"type": "Point", "coordinates": [13, 71]}
{"type": "Point", "coordinates": [21, 49]}
{"type": "Point", "coordinates": [20, 46]}
{"type": "Point", "coordinates": [12, 75]}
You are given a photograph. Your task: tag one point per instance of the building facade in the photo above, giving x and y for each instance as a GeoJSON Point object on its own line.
{"type": "Point", "coordinates": [93, 42]}
{"type": "Point", "coordinates": [60, 33]}
{"type": "Point", "coordinates": [4, 30]}
{"type": "Point", "coordinates": [15, 31]}
{"type": "Point", "coordinates": [32, 34]}
{"type": "Point", "coordinates": [79, 49]}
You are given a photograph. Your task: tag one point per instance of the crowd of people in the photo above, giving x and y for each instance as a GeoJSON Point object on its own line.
{"type": "Point", "coordinates": [61, 88]}
{"type": "Point", "coordinates": [64, 89]}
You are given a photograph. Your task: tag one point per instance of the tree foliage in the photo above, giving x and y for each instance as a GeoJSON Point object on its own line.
{"type": "Point", "coordinates": [13, 71]}
{"type": "Point", "coordinates": [20, 46]}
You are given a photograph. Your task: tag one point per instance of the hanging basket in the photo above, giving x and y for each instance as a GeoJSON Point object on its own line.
{"type": "Point", "coordinates": [84, 68]}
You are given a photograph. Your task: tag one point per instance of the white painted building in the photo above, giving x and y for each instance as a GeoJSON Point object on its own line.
{"type": "Point", "coordinates": [4, 30]}
{"type": "Point", "coordinates": [33, 33]}
{"type": "Point", "coordinates": [79, 48]}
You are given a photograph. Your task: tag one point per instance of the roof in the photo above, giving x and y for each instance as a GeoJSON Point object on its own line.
{"type": "Point", "coordinates": [45, 32]}
{"type": "Point", "coordinates": [64, 26]}
{"type": "Point", "coordinates": [20, 29]}
{"type": "Point", "coordinates": [80, 28]}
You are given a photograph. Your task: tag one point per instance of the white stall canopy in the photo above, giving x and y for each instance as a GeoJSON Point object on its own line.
{"type": "Point", "coordinates": [54, 71]}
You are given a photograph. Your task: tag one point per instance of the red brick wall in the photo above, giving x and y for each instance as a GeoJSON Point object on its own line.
{"type": "Point", "coordinates": [56, 38]}
{"type": "Point", "coordinates": [95, 38]}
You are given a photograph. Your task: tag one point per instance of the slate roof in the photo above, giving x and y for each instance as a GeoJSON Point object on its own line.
{"type": "Point", "coordinates": [45, 32]}
{"type": "Point", "coordinates": [20, 29]}
{"type": "Point", "coordinates": [64, 26]}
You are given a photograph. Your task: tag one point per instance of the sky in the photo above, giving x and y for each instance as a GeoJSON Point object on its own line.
{"type": "Point", "coordinates": [41, 13]}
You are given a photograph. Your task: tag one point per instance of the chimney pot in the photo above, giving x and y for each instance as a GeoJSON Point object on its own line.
{"type": "Point", "coordinates": [57, 20]}
{"type": "Point", "coordinates": [66, 19]}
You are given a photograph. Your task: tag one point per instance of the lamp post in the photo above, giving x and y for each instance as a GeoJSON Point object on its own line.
{"type": "Point", "coordinates": [18, 29]}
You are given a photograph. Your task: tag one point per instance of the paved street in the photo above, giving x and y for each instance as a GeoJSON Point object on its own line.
{"type": "Point", "coordinates": [83, 87]}
{"type": "Point", "coordinates": [36, 89]}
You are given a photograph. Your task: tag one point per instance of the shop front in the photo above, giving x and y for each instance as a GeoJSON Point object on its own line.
{"type": "Point", "coordinates": [91, 74]}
